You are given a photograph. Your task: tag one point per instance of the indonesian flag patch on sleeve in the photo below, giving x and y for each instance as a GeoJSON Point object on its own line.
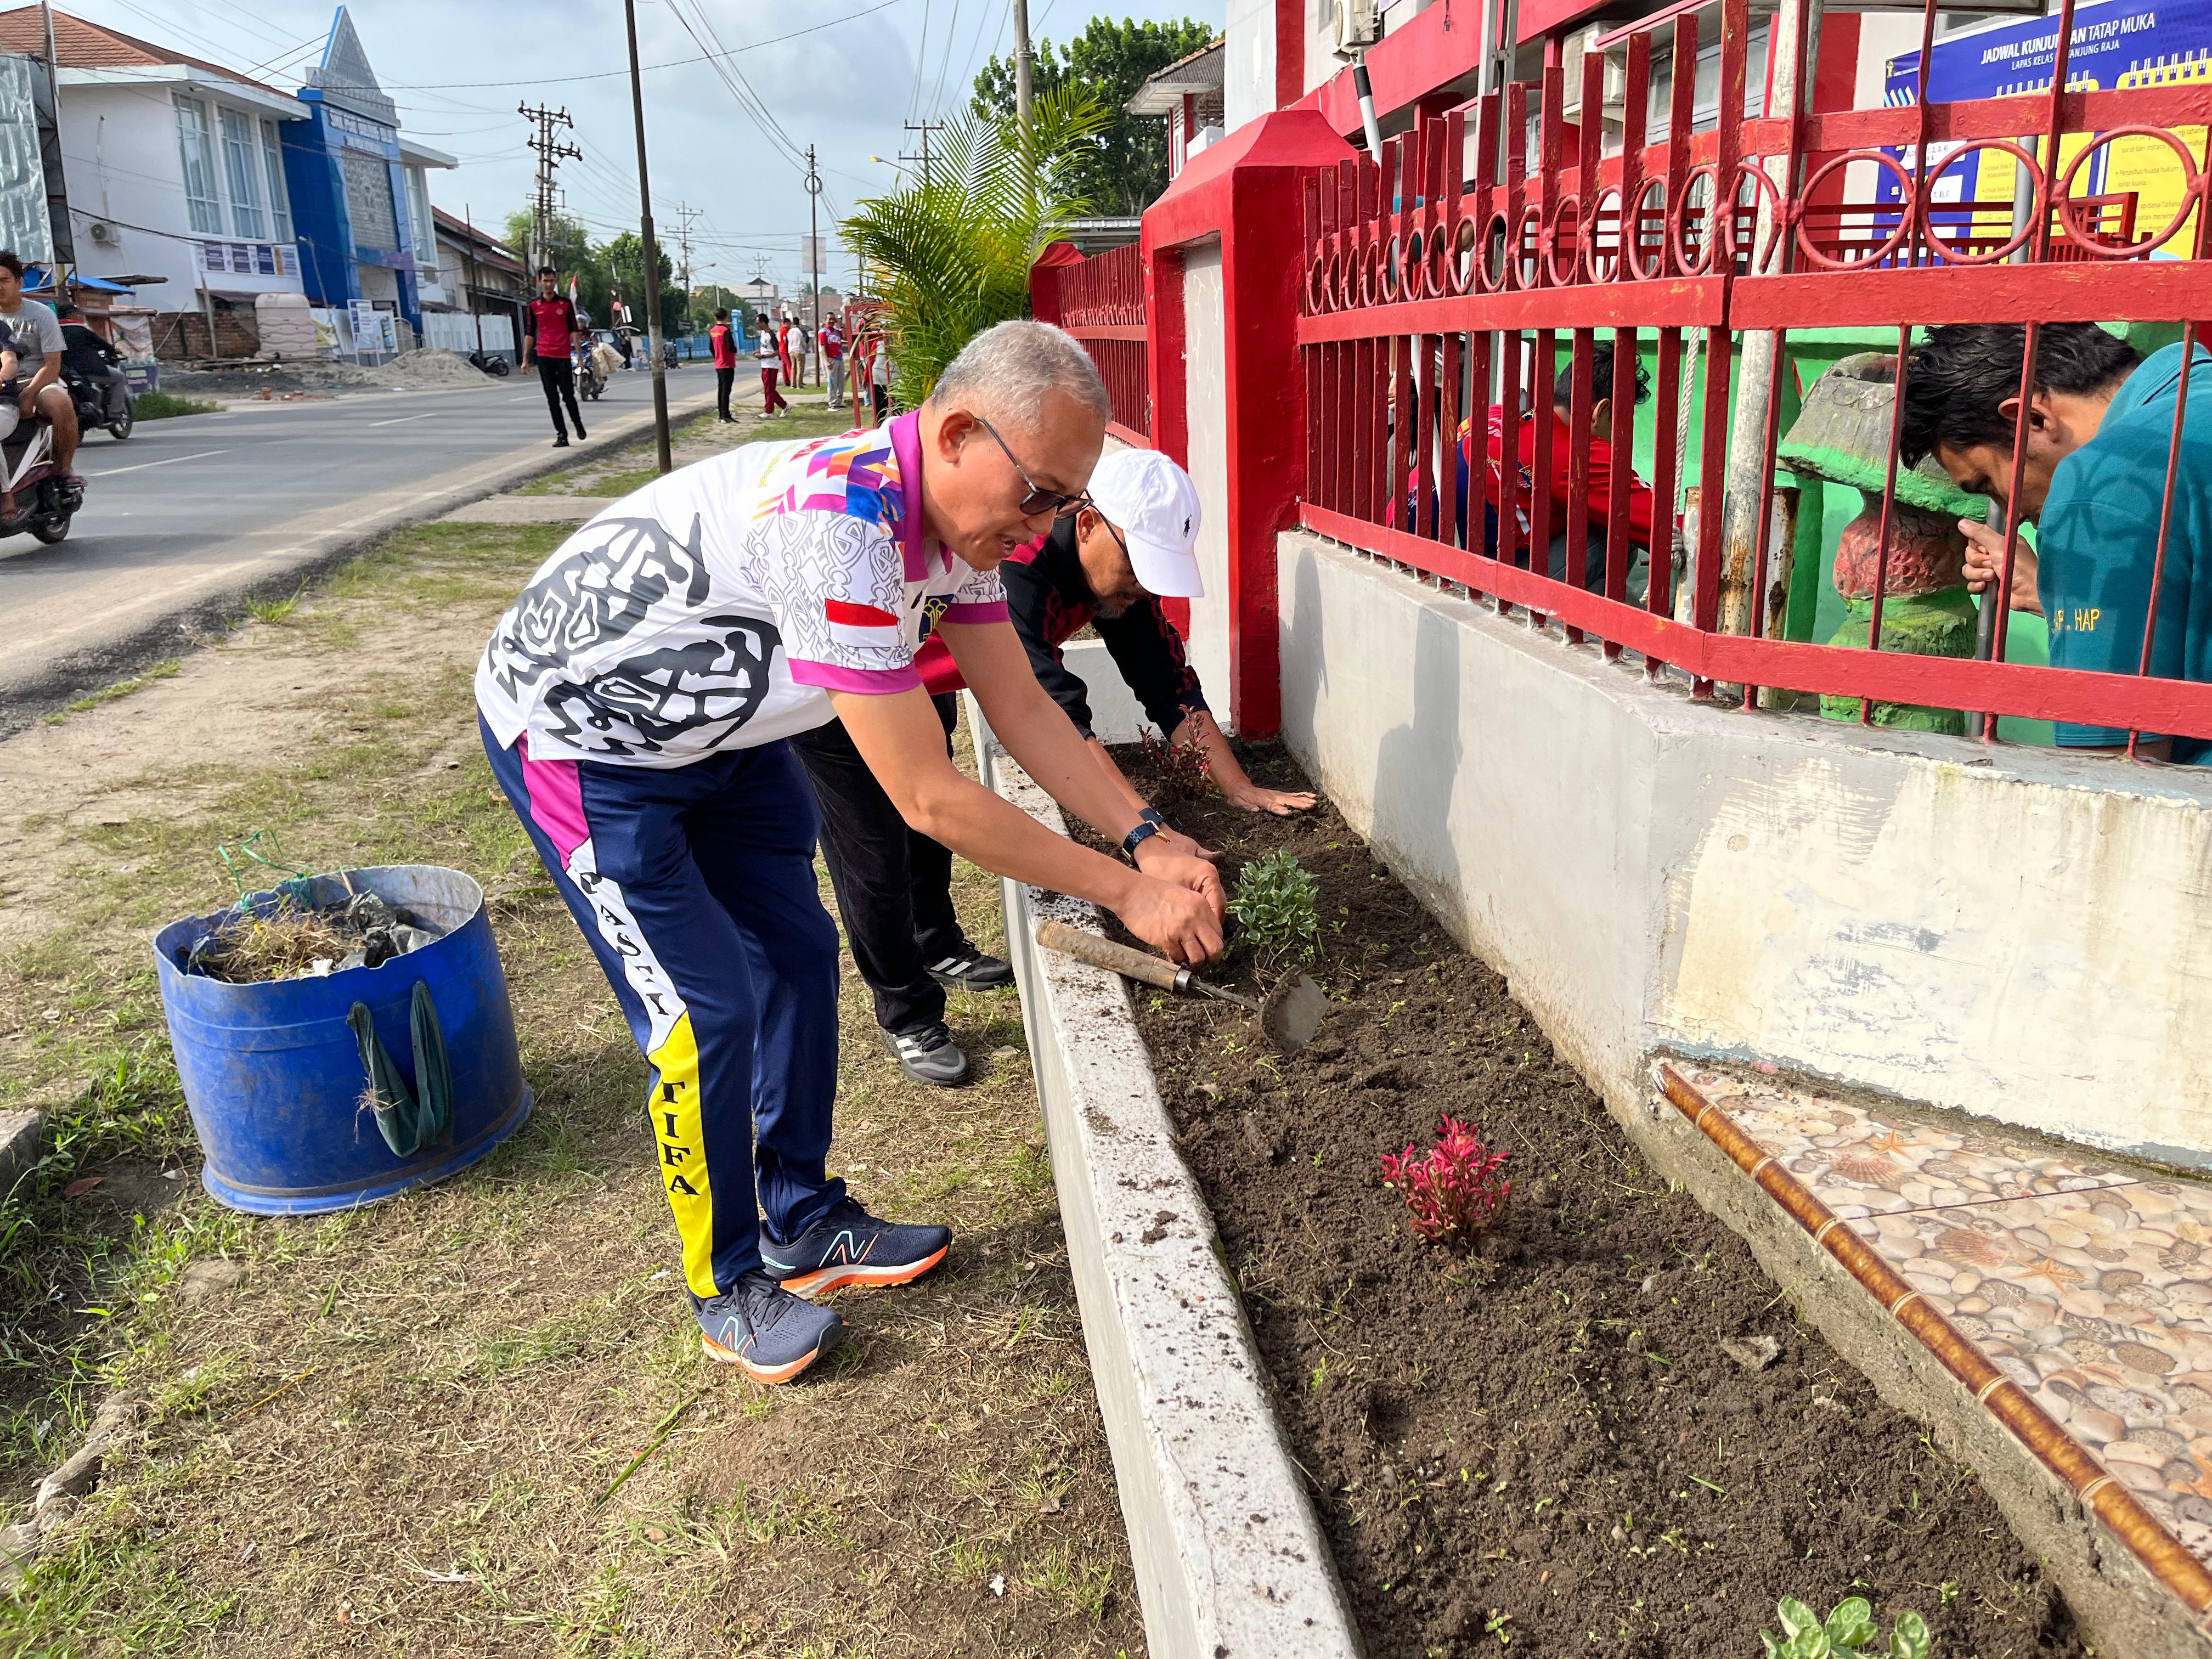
{"type": "Point", "coordinates": [861, 624]}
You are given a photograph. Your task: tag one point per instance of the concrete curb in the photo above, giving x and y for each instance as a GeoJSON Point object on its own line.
{"type": "Point", "coordinates": [109, 644]}
{"type": "Point", "coordinates": [1231, 1563]}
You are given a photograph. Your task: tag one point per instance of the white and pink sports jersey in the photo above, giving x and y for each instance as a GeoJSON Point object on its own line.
{"type": "Point", "coordinates": [717, 607]}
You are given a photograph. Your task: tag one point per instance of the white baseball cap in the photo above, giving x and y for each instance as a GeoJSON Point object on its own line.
{"type": "Point", "coordinates": [1153, 503]}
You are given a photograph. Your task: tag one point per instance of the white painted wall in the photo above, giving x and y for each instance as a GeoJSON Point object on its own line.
{"type": "Point", "coordinates": [120, 157]}
{"type": "Point", "coordinates": [1248, 60]}
{"type": "Point", "coordinates": [1206, 390]}
{"type": "Point", "coordinates": [2017, 934]}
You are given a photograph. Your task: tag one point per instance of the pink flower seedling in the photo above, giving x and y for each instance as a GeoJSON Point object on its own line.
{"type": "Point", "coordinates": [1456, 1191]}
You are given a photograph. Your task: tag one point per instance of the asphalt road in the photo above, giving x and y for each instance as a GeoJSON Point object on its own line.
{"type": "Point", "coordinates": [194, 511]}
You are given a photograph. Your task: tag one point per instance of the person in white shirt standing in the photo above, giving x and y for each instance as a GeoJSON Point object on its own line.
{"type": "Point", "coordinates": [39, 347]}
{"type": "Point", "coordinates": [635, 702]}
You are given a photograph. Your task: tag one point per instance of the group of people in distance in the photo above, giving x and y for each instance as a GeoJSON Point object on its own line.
{"type": "Point", "coordinates": [762, 648]}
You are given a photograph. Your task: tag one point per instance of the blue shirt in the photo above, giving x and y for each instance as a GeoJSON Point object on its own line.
{"type": "Point", "coordinates": [2097, 539]}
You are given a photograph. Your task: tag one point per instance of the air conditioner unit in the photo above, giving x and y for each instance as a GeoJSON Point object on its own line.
{"type": "Point", "coordinates": [1359, 26]}
{"type": "Point", "coordinates": [105, 234]}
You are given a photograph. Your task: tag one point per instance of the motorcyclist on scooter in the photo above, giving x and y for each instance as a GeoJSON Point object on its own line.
{"type": "Point", "coordinates": [38, 334]}
{"type": "Point", "coordinates": [90, 359]}
{"type": "Point", "coordinates": [10, 415]}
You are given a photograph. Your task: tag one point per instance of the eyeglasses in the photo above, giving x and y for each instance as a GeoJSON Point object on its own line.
{"type": "Point", "coordinates": [1038, 501]}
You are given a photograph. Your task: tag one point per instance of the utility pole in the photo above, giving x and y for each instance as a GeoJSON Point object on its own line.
{"type": "Point", "coordinates": [652, 252]}
{"type": "Point", "coordinates": [60, 232]}
{"type": "Point", "coordinates": [551, 153]}
{"type": "Point", "coordinates": [684, 216]}
{"type": "Point", "coordinates": [813, 256]}
{"type": "Point", "coordinates": [1021, 68]}
{"type": "Point", "coordinates": [924, 128]}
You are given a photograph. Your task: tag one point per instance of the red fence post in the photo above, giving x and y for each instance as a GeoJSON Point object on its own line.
{"type": "Point", "coordinates": [1044, 280]}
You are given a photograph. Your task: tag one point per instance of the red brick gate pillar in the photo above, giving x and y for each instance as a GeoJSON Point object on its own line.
{"type": "Point", "coordinates": [1247, 189]}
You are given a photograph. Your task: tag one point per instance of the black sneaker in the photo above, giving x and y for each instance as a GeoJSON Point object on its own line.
{"type": "Point", "coordinates": [580, 433]}
{"type": "Point", "coordinates": [562, 441]}
{"type": "Point", "coordinates": [970, 969]}
{"type": "Point", "coordinates": [929, 1055]}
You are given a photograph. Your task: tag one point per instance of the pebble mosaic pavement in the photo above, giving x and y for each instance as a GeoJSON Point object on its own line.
{"type": "Point", "coordinates": [2087, 1281]}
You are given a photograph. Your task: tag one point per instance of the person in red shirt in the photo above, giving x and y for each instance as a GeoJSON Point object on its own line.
{"type": "Point", "coordinates": [1607, 426]}
{"type": "Point", "coordinates": [726, 363]}
{"type": "Point", "coordinates": [551, 336]}
{"type": "Point", "coordinates": [833, 352]}
{"type": "Point", "coordinates": [783, 350]}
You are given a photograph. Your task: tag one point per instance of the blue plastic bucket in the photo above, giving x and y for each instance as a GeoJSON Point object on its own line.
{"type": "Point", "coordinates": [273, 1073]}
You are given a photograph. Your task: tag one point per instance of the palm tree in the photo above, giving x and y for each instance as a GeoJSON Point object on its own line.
{"type": "Point", "coordinates": [954, 248]}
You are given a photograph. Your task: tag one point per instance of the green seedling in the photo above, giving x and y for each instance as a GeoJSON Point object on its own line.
{"type": "Point", "coordinates": [1273, 903]}
{"type": "Point", "coordinates": [1849, 1630]}
{"type": "Point", "coordinates": [1180, 771]}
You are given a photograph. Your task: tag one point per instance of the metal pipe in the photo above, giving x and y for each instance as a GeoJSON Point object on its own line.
{"type": "Point", "coordinates": [2160, 1552]}
{"type": "Point", "coordinates": [1361, 85]}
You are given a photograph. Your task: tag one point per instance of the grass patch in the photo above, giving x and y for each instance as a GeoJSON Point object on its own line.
{"type": "Point", "coordinates": [465, 1371]}
{"type": "Point", "coordinates": [165, 405]}
{"type": "Point", "coordinates": [92, 700]}
{"type": "Point", "coordinates": [274, 611]}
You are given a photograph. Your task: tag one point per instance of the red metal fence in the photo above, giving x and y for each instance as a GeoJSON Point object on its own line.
{"type": "Point", "coordinates": [1102, 303]}
{"type": "Point", "coordinates": [1427, 301]}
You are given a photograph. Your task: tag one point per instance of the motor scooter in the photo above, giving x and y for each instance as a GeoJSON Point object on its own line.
{"type": "Point", "coordinates": [590, 382]}
{"type": "Point", "coordinates": [101, 404]}
{"type": "Point", "coordinates": [494, 365]}
{"type": "Point", "coordinates": [45, 500]}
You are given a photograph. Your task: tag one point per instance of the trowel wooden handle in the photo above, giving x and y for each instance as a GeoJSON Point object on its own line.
{"type": "Point", "coordinates": [1104, 953]}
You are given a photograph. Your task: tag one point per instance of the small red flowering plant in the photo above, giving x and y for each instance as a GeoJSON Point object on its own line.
{"type": "Point", "coordinates": [1455, 1190]}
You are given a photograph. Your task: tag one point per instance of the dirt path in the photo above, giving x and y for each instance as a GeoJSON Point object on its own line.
{"type": "Point", "coordinates": [393, 1430]}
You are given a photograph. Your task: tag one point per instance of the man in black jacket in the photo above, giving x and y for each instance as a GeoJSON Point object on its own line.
{"type": "Point", "coordinates": [1107, 565]}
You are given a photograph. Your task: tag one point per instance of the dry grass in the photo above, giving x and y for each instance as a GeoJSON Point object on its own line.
{"type": "Point", "coordinates": [395, 1434]}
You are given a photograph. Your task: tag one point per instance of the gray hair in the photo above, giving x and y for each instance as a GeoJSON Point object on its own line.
{"type": "Point", "coordinates": [1006, 371]}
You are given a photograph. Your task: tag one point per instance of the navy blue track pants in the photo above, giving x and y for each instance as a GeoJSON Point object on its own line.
{"type": "Point", "coordinates": [695, 887]}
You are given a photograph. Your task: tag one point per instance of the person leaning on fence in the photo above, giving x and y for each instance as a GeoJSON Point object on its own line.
{"type": "Point", "coordinates": [725, 349]}
{"type": "Point", "coordinates": [2093, 480]}
{"type": "Point", "coordinates": [1106, 564]}
{"type": "Point", "coordinates": [765, 353]}
{"type": "Point", "coordinates": [635, 703]}
{"type": "Point", "coordinates": [1609, 427]}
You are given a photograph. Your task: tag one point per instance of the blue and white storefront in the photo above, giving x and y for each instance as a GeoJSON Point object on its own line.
{"type": "Point", "coordinates": [361, 209]}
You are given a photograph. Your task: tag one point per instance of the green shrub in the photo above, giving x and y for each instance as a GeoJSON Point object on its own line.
{"type": "Point", "coordinates": [160, 405]}
{"type": "Point", "coordinates": [1275, 904]}
{"type": "Point", "coordinates": [1849, 1630]}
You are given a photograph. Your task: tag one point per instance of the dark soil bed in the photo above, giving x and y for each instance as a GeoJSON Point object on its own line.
{"type": "Point", "coordinates": [1540, 1447]}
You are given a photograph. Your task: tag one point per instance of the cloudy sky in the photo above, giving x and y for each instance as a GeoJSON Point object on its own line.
{"type": "Point", "coordinates": [458, 68]}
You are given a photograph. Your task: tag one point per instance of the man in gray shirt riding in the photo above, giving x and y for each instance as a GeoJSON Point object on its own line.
{"type": "Point", "coordinates": [38, 334]}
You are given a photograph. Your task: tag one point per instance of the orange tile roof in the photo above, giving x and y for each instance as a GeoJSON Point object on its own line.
{"type": "Point", "coordinates": [80, 45]}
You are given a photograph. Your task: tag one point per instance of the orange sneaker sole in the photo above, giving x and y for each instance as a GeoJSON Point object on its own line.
{"type": "Point", "coordinates": [771, 1374]}
{"type": "Point", "coordinates": [821, 1283]}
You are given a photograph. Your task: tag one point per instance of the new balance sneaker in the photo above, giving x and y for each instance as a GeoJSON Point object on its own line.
{"type": "Point", "coordinates": [848, 1246]}
{"type": "Point", "coordinates": [763, 1327]}
{"type": "Point", "coordinates": [929, 1055]}
{"type": "Point", "coordinates": [970, 969]}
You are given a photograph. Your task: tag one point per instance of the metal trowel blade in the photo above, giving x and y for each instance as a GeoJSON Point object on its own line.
{"type": "Point", "coordinates": [1293, 1012]}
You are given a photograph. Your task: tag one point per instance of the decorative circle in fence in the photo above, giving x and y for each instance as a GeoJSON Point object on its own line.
{"type": "Point", "coordinates": [1876, 253]}
{"type": "Point", "coordinates": [2085, 237]}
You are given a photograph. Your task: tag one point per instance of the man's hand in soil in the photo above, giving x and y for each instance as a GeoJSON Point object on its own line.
{"type": "Point", "coordinates": [1177, 905]}
{"type": "Point", "coordinates": [1986, 565]}
{"type": "Point", "coordinates": [1280, 802]}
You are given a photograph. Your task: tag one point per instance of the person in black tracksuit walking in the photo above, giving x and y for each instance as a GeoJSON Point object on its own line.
{"type": "Point", "coordinates": [551, 336]}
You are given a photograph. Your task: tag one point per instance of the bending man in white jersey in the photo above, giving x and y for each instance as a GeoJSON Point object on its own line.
{"type": "Point", "coordinates": [634, 701]}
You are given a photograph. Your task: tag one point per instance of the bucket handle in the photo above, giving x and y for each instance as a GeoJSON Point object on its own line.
{"type": "Point", "coordinates": [409, 1120]}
